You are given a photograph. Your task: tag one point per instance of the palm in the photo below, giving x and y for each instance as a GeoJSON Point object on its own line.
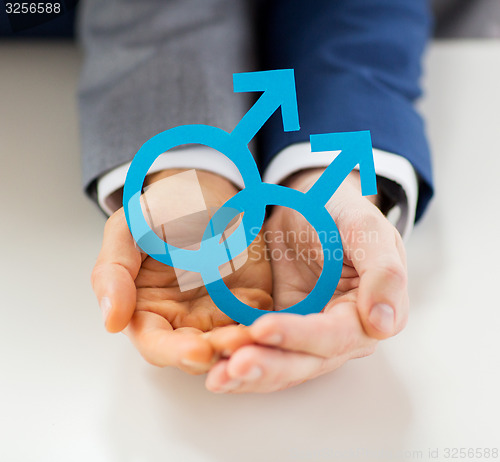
{"type": "Point", "coordinates": [178, 208]}
{"type": "Point", "coordinates": [158, 291]}
{"type": "Point", "coordinates": [296, 274]}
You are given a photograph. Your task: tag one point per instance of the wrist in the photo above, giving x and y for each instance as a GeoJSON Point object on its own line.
{"type": "Point", "coordinates": [216, 189]}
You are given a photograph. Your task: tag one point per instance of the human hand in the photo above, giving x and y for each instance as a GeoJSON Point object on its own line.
{"type": "Point", "coordinates": [370, 302]}
{"type": "Point", "coordinates": [141, 296]}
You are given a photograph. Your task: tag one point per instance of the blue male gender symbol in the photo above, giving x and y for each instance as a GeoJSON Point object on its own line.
{"type": "Point", "coordinates": [278, 89]}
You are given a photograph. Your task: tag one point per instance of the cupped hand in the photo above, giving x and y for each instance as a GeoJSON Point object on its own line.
{"type": "Point", "coordinates": [369, 304]}
{"type": "Point", "coordinates": [142, 297]}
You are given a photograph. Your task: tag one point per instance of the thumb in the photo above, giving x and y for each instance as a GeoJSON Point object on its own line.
{"type": "Point", "coordinates": [113, 276]}
{"type": "Point", "coordinates": [376, 250]}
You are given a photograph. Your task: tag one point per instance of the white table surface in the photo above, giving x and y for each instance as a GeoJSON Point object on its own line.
{"type": "Point", "coordinates": [71, 392]}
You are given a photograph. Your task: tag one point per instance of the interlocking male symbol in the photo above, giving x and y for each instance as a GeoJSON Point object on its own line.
{"type": "Point", "coordinates": [278, 89]}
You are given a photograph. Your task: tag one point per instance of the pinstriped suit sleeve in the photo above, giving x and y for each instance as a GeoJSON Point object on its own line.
{"type": "Point", "coordinates": [152, 65]}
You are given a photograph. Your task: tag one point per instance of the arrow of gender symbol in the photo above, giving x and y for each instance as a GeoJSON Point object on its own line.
{"type": "Point", "coordinates": [278, 89]}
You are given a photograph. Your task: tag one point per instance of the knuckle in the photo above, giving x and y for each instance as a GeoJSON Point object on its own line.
{"type": "Point", "coordinates": [249, 355]}
{"type": "Point", "coordinates": [152, 354]}
{"type": "Point", "coordinates": [357, 220]}
{"type": "Point", "coordinates": [114, 219]}
{"type": "Point", "coordinates": [151, 358]}
{"type": "Point", "coordinates": [347, 346]}
{"type": "Point", "coordinates": [360, 225]}
{"type": "Point", "coordinates": [98, 272]}
{"type": "Point", "coordinates": [366, 350]}
{"type": "Point", "coordinates": [95, 275]}
{"type": "Point", "coordinates": [394, 272]}
{"type": "Point", "coordinates": [329, 365]}
{"type": "Point", "coordinates": [333, 350]}
{"type": "Point", "coordinates": [253, 354]}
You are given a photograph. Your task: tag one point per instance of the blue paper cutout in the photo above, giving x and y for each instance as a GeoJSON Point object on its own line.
{"type": "Point", "coordinates": [278, 89]}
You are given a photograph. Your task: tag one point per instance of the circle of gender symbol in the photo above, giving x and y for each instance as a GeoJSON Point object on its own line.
{"type": "Point", "coordinates": [251, 201]}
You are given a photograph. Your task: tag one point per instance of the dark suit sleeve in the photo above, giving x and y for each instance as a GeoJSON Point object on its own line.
{"type": "Point", "coordinates": [357, 66]}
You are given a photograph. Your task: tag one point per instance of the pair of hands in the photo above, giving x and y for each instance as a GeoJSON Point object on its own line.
{"type": "Point", "coordinates": [184, 329]}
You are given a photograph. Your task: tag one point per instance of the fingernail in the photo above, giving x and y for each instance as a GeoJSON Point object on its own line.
{"type": "Point", "coordinates": [382, 318]}
{"type": "Point", "coordinates": [193, 364]}
{"type": "Point", "coordinates": [253, 374]}
{"type": "Point", "coordinates": [229, 386]}
{"type": "Point", "coordinates": [273, 339]}
{"type": "Point", "coordinates": [105, 306]}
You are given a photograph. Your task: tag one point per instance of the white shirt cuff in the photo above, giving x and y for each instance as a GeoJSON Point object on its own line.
{"type": "Point", "coordinates": [396, 168]}
{"type": "Point", "coordinates": [199, 157]}
{"type": "Point", "coordinates": [290, 160]}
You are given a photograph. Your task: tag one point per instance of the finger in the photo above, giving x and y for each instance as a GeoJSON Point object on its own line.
{"type": "Point", "coordinates": [226, 340]}
{"type": "Point", "coordinates": [114, 273]}
{"type": "Point", "coordinates": [257, 369]}
{"type": "Point", "coordinates": [375, 249]}
{"type": "Point", "coordinates": [336, 332]}
{"type": "Point", "coordinates": [218, 377]}
{"type": "Point", "coordinates": [162, 346]}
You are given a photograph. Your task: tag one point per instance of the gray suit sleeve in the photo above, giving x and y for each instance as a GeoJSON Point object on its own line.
{"type": "Point", "coordinates": [154, 64]}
